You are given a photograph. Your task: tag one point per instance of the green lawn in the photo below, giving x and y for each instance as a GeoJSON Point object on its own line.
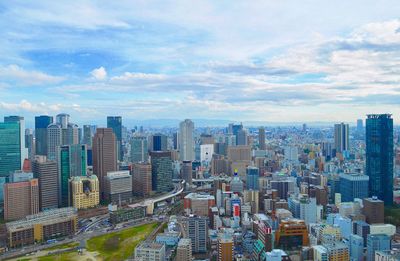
{"type": "Point", "coordinates": [119, 245]}
{"type": "Point", "coordinates": [392, 215]}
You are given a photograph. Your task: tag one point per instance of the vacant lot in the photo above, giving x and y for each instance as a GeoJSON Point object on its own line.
{"type": "Point", "coordinates": [119, 245]}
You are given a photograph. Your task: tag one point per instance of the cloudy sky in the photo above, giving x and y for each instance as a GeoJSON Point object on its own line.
{"type": "Point", "coordinates": [277, 61]}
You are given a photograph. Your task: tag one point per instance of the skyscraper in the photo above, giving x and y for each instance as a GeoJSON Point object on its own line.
{"type": "Point", "coordinates": [41, 123]}
{"type": "Point", "coordinates": [141, 179]}
{"type": "Point", "coordinates": [341, 137]}
{"type": "Point", "coordinates": [186, 171]}
{"type": "Point", "coordinates": [161, 168]}
{"type": "Point", "coordinates": [71, 163]}
{"type": "Point", "coordinates": [197, 231]}
{"type": "Point", "coordinates": [10, 151]}
{"type": "Point", "coordinates": [379, 156]}
{"type": "Point", "coordinates": [20, 120]}
{"type": "Point", "coordinates": [47, 173]}
{"type": "Point", "coordinates": [139, 149]}
{"type": "Point", "coordinates": [62, 132]}
{"type": "Point", "coordinates": [104, 154]}
{"type": "Point", "coordinates": [186, 140]}
{"type": "Point", "coordinates": [261, 138]}
{"type": "Point", "coordinates": [158, 142]}
{"type": "Point", "coordinates": [252, 176]}
{"type": "Point", "coordinates": [115, 123]}
{"type": "Point", "coordinates": [360, 126]}
{"type": "Point", "coordinates": [241, 137]}
{"type": "Point", "coordinates": [88, 132]}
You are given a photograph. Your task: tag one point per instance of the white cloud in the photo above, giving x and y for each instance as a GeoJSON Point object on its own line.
{"type": "Point", "coordinates": [18, 75]}
{"type": "Point", "coordinates": [99, 73]}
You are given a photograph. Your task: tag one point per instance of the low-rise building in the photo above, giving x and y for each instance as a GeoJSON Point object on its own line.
{"type": "Point", "coordinates": [150, 251]}
{"type": "Point", "coordinates": [41, 227]}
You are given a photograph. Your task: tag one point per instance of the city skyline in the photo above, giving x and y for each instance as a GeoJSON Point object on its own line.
{"type": "Point", "coordinates": [259, 61]}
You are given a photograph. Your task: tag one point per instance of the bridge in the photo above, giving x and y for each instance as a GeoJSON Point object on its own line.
{"type": "Point", "coordinates": [149, 203]}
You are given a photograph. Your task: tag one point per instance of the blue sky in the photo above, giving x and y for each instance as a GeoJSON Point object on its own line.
{"type": "Point", "coordinates": [277, 61]}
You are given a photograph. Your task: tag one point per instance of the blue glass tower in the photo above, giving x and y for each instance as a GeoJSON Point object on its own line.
{"type": "Point", "coordinates": [115, 123]}
{"type": "Point", "coordinates": [41, 123]}
{"type": "Point", "coordinates": [379, 156]}
{"type": "Point", "coordinates": [252, 176]}
{"type": "Point", "coordinates": [353, 186]}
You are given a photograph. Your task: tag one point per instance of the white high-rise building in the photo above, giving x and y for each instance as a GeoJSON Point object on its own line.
{"type": "Point", "coordinates": [60, 133]}
{"type": "Point", "coordinates": [186, 140]}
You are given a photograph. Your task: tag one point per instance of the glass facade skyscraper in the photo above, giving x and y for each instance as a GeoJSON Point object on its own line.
{"type": "Point", "coordinates": [161, 171]}
{"type": "Point", "coordinates": [71, 163]}
{"type": "Point", "coordinates": [41, 123]}
{"type": "Point", "coordinates": [252, 176]}
{"type": "Point", "coordinates": [379, 156]}
{"type": "Point", "coordinates": [353, 186]}
{"type": "Point", "coordinates": [115, 123]}
{"type": "Point", "coordinates": [10, 151]}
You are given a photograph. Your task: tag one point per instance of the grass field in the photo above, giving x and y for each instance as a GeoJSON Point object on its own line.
{"type": "Point", "coordinates": [119, 245]}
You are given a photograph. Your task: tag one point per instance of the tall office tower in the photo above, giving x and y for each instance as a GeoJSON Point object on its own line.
{"type": "Point", "coordinates": [353, 186]}
{"type": "Point", "coordinates": [175, 140]}
{"type": "Point", "coordinates": [84, 192]}
{"type": "Point", "coordinates": [30, 143]}
{"type": "Point", "coordinates": [356, 248]}
{"type": "Point", "coordinates": [69, 131]}
{"type": "Point", "coordinates": [87, 135]}
{"type": "Point", "coordinates": [360, 125]}
{"type": "Point", "coordinates": [139, 149]}
{"type": "Point", "coordinates": [261, 138]}
{"type": "Point", "coordinates": [187, 171]}
{"type": "Point", "coordinates": [225, 248]}
{"type": "Point", "coordinates": [115, 123]}
{"type": "Point", "coordinates": [141, 179]}
{"type": "Point", "coordinates": [21, 199]}
{"type": "Point", "coordinates": [341, 137]}
{"type": "Point", "coordinates": [10, 148]}
{"type": "Point", "coordinates": [71, 163]}
{"type": "Point", "coordinates": [21, 121]}
{"type": "Point", "coordinates": [252, 176]}
{"type": "Point", "coordinates": [104, 154]}
{"type": "Point", "coordinates": [62, 132]}
{"type": "Point", "coordinates": [375, 243]}
{"type": "Point", "coordinates": [197, 229]}
{"type": "Point", "coordinates": [41, 123]}
{"type": "Point", "coordinates": [379, 156]}
{"type": "Point", "coordinates": [118, 186]}
{"type": "Point", "coordinates": [283, 187]}
{"type": "Point", "coordinates": [161, 171]}
{"type": "Point", "coordinates": [186, 140]}
{"type": "Point", "coordinates": [158, 142]}
{"type": "Point", "coordinates": [373, 210]}
{"type": "Point", "coordinates": [241, 137]}
{"type": "Point", "coordinates": [184, 250]}
{"type": "Point", "coordinates": [47, 174]}
{"type": "Point", "coordinates": [54, 140]}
